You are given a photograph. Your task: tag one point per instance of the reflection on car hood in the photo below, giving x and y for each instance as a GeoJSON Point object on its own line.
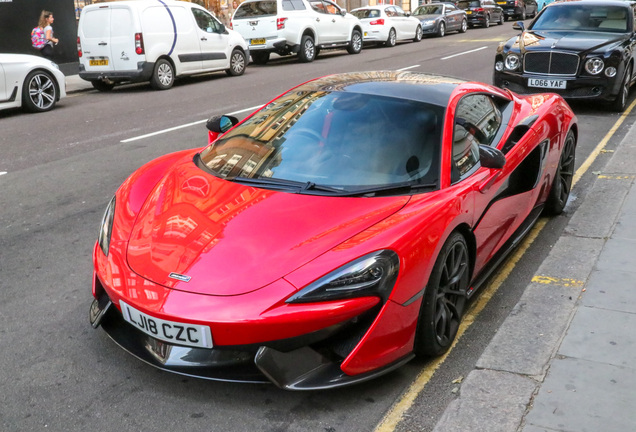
{"type": "Point", "coordinates": [427, 17]}
{"type": "Point", "coordinates": [568, 41]}
{"type": "Point", "coordinates": [231, 239]}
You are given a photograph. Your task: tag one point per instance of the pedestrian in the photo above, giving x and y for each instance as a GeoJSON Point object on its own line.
{"type": "Point", "coordinates": [46, 23]}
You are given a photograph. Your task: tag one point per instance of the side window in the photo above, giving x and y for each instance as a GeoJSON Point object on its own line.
{"type": "Point", "coordinates": [399, 11]}
{"type": "Point", "coordinates": [289, 5]}
{"type": "Point", "coordinates": [390, 12]}
{"type": "Point", "coordinates": [477, 120]}
{"type": "Point", "coordinates": [206, 22]}
{"type": "Point", "coordinates": [331, 8]}
{"type": "Point", "coordinates": [318, 6]}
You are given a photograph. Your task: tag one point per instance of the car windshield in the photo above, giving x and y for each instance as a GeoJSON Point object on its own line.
{"type": "Point", "coordinates": [256, 9]}
{"type": "Point", "coordinates": [347, 141]}
{"type": "Point", "coordinates": [583, 18]}
{"type": "Point", "coordinates": [366, 13]}
{"type": "Point", "coordinates": [428, 10]}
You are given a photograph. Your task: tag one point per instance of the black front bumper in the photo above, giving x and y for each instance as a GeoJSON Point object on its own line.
{"type": "Point", "coordinates": [310, 362]}
{"type": "Point", "coordinates": [599, 88]}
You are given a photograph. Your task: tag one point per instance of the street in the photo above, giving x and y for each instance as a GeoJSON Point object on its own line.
{"type": "Point", "coordinates": [62, 168]}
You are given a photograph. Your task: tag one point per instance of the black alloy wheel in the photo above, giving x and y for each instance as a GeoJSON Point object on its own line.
{"type": "Point", "coordinates": [39, 92]}
{"type": "Point", "coordinates": [562, 183]}
{"type": "Point", "coordinates": [444, 299]}
{"type": "Point", "coordinates": [307, 52]}
{"type": "Point", "coordinates": [620, 103]}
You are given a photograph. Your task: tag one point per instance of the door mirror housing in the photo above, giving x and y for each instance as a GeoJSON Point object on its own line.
{"type": "Point", "coordinates": [218, 125]}
{"type": "Point", "coordinates": [519, 25]}
{"type": "Point", "coordinates": [490, 157]}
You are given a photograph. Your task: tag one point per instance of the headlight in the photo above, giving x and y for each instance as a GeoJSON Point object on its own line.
{"type": "Point", "coordinates": [499, 66]}
{"type": "Point", "coordinates": [512, 62]}
{"type": "Point", "coordinates": [610, 72]}
{"type": "Point", "coordinates": [106, 229]}
{"type": "Point", "coordinates": [371, 275]}
{"type": "Point", "coordinates": [428, 22]}
{"type": "Point", "coordinates": [594, 66]}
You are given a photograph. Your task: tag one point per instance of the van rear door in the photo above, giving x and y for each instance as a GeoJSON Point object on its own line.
{"type": "Point", "coordinates": [94, 34]}
{"type": "Point", "coordinates": [256, 21]}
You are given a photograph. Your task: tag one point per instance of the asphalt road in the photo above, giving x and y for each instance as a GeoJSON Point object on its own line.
{"type": "Point", "coordinates": [62, 167]}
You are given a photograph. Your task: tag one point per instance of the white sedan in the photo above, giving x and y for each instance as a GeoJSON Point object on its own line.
{"type": "Point", "coordinates": [387, 24]}
{"type": "Point", "coordinates": [33, 83]}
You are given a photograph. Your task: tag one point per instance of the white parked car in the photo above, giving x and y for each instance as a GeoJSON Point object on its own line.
{"type": "Point", "coordinates": [388, 24]}
{"type": "Point", "coordinates": [33, 83]}
{"type": "Point", "coordinates": [156, 41]}
{"type": "Point", "coordinates": [296, 27]}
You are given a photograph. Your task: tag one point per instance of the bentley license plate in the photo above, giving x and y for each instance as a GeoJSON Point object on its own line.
{"type": "Point", "coordinates": [173, 332]}
{"type": "Point", "coordinates": [103, 62]}
{"type": "Point", "coordinates": [257, 41]}
{"type": "Point", "coordinates": [546, 83]}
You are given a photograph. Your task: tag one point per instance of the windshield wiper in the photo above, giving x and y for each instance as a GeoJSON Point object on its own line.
{"type": "Point", "coordinates": [402, 189]}
{"type": "Point", "coordinates": [282, 184]}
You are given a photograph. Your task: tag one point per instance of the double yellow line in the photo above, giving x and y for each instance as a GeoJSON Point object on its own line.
{"type": "Point", "coordinates": [397, 411]}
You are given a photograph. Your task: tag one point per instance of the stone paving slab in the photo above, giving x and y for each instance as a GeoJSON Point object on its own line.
{"type": "Point", "coordinates": [489, 401]}
{"type": "Point", "coordinates": [625, 227]}
{"type": "Point", "coordinates": [602, 336]}
{"type": "Point", "coordinates": [583, 396]}
{"type": "Point", "coordinates": [619, 254]}
{"type": "Point", "coordinates": [611, 289]}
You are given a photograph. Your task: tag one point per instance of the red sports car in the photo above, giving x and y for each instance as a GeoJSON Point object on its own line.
{"type": "Point", "coordinates": [332, 235]}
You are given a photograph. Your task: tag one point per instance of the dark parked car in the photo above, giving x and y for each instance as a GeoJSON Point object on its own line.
{"type": "Point", "coordinates": [482, 12]}
{"type": "Point", "coordinates": [580, 50]}
{"type": "Point", "coordinates": [519, 9]}
{"type": "Point", "coordinates": [439, 18]}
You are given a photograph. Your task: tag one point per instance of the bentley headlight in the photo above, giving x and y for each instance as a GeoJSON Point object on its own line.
{"type": "Point", "coordinates": [106, 229]}
{"type": "Point", "coordinates": [371, 275]}
{"type": "Point", "coordinates": [428, 22]}
{"type": "Point", "coordinates": [512, 62]}
{"type": "Point", "coordinates": [594, 66]}
{"type": "Point", "coordinates": [499, 65]}
{"type": "Point", "coordinates": [610, 72]}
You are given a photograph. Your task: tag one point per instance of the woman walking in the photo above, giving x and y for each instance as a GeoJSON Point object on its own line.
{"type": "Point", "coordinates": [46, 23]}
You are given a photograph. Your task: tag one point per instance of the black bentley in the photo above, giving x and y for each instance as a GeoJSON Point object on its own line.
{"type": "Point", "coordinates": [579, 49]}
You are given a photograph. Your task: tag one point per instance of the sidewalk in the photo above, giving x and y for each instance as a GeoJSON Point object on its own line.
{"type": "Point", "coordinates": [564, 359]}
{"type": "Point", "coordinates": [75, 84]}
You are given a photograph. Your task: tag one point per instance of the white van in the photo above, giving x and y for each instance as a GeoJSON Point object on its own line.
{"type": "Point", "coordinates": [156, 41]}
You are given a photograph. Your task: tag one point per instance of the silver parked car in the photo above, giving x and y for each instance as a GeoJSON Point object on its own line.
{"type": "Point", "coordinates": [440, 18]}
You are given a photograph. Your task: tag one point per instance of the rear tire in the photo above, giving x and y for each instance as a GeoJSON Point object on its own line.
{"type": "Point", "coordinates": [237, 63]}
{"type": "Point", "coordinates": [501, 19]}
{"type": "Point", "coordinates": [487, 23]}
{"type": "Point", "coordinates": [418, 34]}
{"type": "Point", "coordinates": [392, 39]}
{"type": "Point", "coordinates": [259, 57]}
{"type": "Point", "coordinates": [307, 52]}
{"type": "Point", "coordinates": [163, 75]}
{"type": "Point", "coordinates": [464, 26]}
{"type": "Point", "coordinates": [441, 31]}
{"type": "Point", "coordinates": [444, 299]}
{"type": "Point", "coordinates": [103, 86]}
{"type": "Point", "coordinates": [39, 92]}
{"type": "Point", "coordinates": [355, 46]}
{"type": "Point", "coordinates": [562, 183]}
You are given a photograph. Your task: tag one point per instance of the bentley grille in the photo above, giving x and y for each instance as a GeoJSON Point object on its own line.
{"type": "Point", "coordinates": [551, 63]}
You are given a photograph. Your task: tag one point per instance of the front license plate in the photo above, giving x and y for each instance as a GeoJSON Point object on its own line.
{"type": "Point", "coordinates": [546, 83]}
{"type": "Point", "coordinates": [103, 62]}
{"type": "Point", "coordinates": [468, 12]}
{"type": "Point", "coordinates": [173, 332]}
{"type": "Point", "coordinates": [257, 41]}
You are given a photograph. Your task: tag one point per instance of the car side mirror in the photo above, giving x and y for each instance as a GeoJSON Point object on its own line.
{"type": "Point", "coordinates": [218, 125]}
{"type": "Point", "coordinates": [490, 157]}
{"type": "Point", "coordinates": [519, 25]}
{"type": "Point", "coordinates": [343, 12]}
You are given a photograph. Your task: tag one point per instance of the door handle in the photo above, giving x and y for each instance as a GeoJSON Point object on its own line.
{"type": "Point", "coordinates": [103, 43]}
{"type": "Point", "coordinates": [204, 38]}
{"type": "Point", "coordinates": [318, 19]}
{"type": "Point", "coordinates": [333, 20]}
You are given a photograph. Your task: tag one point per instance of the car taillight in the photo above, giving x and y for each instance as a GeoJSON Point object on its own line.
{"type": "Point", "coordinates": [139, 43]}
{"type": "Point", "coordinates": [231, 25]}
{"type": "Point", "coordinates": [377, 22]}
{"type": "Point", "coordinates": [280, 23]}
{"type": "Point", "coordinates": [516, 3]}
{"type": "Point", "coordinates": [79, 47]}
{"type": "Point", "coordinates": [478, 9]}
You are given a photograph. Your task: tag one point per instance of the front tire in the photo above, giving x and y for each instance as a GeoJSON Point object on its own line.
{"type": "Point", "coordinates": [355, 46]}
{"type": "Point", "coordinates": [464, 26]}
{"type": "Point", "coordinates": [392, 39]}
{"type": "Point", "coordinates": [259, 57]}
{"type": "Point", "coordinates": [39, 92]}
{"type": "Point", "coordinates": [487, 23]}
{"type": "Point", "coordinates": [418, 34]}
{"type": "Point", "coordinates": [444, 299]}
{"type": "Point", "coordinates": [562, 183]}
{"type": "Point", "coordinates": [163, 75]}
{"type": "Point", "coordinates": [441, 31]}
{"type": "Point", "coordinates": [237, 63]}
{"type": "Point", "coordinates": [620, 103]}
{"type": "Point", "coordinates": [501, 19]}
{"type": "Point", "coordinates": [103, 86]}
{"type": "Point", "coordinates": [307, 52]}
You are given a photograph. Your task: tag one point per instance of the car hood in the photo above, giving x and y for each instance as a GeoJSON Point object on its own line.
{"type": "Point", "coordinates": [427, 17]}
{"type": "Point", "coordinates": [567, 41]}
{"type": "Point", "coordinates": [230, 239]}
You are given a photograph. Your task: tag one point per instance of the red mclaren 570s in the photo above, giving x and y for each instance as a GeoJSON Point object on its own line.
{"type": "Point", "coordinates": [332, 235]}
